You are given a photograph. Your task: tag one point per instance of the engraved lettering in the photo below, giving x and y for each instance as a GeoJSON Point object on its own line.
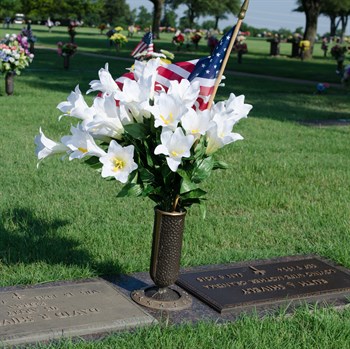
{"type": "Point", "coordinates": [263, 289]}
{"type": "Point", "coordinates": [313, 282]}
{"type": "Point", "coordinates": [16, 321]}
{"type": "Point", "coordinates": [310, 266]}
{"type": "Point", "coordinates": [47, 296]}
{"type": "Point", "coordinates": [17, 296]}
{"type": "Point", "coordinates": [74, 313]}
{"type": "Point", "coordinates": [225, 285]}
{"type": "Point", "coordinates": [234, 275]}
{"type": "Point", "coordinates": [45, 317]}
{"type": "Point", "coordinates": [206, 278]}
{"type": "Point", "coordinates": [27, 305]}
{"type": "Point", "coordinates": [51, 308]}
{"type": "Point", "coordinates": [320, 273]}
{"type": "Point", "coordinates": [68, 294]}
{"type": "Point", "coordinates": [88, 292]}
{"type": "Point", "coordinates": [22, 311]}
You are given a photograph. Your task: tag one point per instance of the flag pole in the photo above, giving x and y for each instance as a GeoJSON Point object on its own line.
{"type": "Point", "coordinates": [241, 16]}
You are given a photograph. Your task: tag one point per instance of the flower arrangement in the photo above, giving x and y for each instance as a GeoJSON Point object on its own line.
{"type": "Point", "coordinates": [71, 30]}
{"type": "Point", "coordinates": [294, 39]}
{"type": "Point", "coordinates": [13, 56]}
{"type": "Point", "coordinates": [119, 39]}
{"type": "Point", "coordinates": [29, 35]}
{"type": "Point", "coordinates": [66, 49]}
{"type": "Point", "coordinates": [338, 52]}
{"type": "Point", "coordinates": [196, 38]}
{"type": "Point", "coordinates": [151, 140]}
{"type": "Point", "coordinates": [165, 56]}
{"type": "Point", "coordinates": [178, 39]}
{"type": "Point", "coordinates": [102, 27]}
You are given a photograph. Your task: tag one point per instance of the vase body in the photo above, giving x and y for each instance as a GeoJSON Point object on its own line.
{"type": "Point", "coordinates": [66, 62]}
{"type": "Point", "coordinates": [165, 264]}
{"type": "Point", "coordinates": [166, 247]}
{"type": "Point", "coordinates": [9, 83]}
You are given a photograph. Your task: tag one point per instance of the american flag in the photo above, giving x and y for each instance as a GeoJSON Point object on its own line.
{"type": "Point", "coordinates": [146, 43]}
{"type": "Point", "coordinates": [205, 70]}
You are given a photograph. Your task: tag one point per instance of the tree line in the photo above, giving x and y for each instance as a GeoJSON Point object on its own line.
{"type": "Point", "coordinates": [95, 12]}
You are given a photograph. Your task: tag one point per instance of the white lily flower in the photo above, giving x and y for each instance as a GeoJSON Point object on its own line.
{"type": "Point", "coordinates": [76, 106]}
{"type": "Point", "coordinates": [106, 84]}
{"type": "Point", "coordinates": [175, 145]}
{"type": "Point", "coordinates": [197, 122]}
{"type": "Point", "coordinates": [235, 107]}
{"type": "Point", "coordinates": [148, 77]}
{"type": "Point", "coordinates": [185, 91]}
{"type": "Point", "coordinates": [167, 111]}
{"type": "Point", "coordinates": [46, 147]}
{"type": "Point", "coordinates": [221, 134]}
{"type": "Point", "coordinates": [147, 69]}
{"type": "Point", "coordinates": [106, 121]}
{"type": "Point", "coordinates": [81, 144]}
{"type": "Point", "coordinates": [135, 97]}
{"type": "Point", "coordinates": [118, 162]}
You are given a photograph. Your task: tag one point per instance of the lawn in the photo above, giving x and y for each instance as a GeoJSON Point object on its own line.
{"type": "Point", "coordinates": [286, 192]}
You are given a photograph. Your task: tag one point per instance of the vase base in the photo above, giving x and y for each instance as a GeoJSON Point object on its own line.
{"type": "Point", "coordinates": [162, 298]}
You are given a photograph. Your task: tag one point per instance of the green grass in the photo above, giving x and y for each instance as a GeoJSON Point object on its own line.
{"type": "Point", "coordinates": [286, 192]}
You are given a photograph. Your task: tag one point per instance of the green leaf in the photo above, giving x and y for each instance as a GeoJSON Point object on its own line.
{"type": "Point", "coordinates": [187, 185]}
{"type": "Point", "coordinates": [130, 189]}
{"type": "Point", "coordinates": [190, 202]}
{"type": "Point", "coordinates": [220, 165]}
{"type": "Point", "coordinates": [203, 169]}
{"type": "Point", "coordinates": [196, 193]}
{"type": "Point", "coordinates": [146, 175]}
{"type": "Point", "coordinates": [93, 162]}
{"type": "Point", "coordinates": [137, 131]}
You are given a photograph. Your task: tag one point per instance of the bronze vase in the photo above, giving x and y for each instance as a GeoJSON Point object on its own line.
{"type": "Point", "coordinates": [66, 61]}
{"type": "Point", "coordinates": [9, 82]}
{"type": "Point", "coordinates": [165, 264]}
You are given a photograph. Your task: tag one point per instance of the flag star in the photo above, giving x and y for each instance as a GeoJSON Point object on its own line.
{"type": "Point", "coordinates": [203, 65]}
{"type": "Point", "coordinates": [220, 60]}
{"type": "Point", "coordinates": [218, 54]}
{"type": "Point", "coordinates": [225, 49]}
{"type": "Point", "coordinates": [211, 60]}
{"type": "Point", "coordinates": [207, 71]}
{"type": "Point", "coordinates": [228, 37]}
{"type": "Point", "coordinates": [215, 66]}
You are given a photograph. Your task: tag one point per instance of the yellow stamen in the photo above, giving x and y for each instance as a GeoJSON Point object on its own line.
{"type": "Point", "coordinates": [167, 121]}
{"type": "Point", "coordinates": [174, 153]}
{"type": "Point", "coordinates": [195, 131]}
{"type": "Point", "coordinates": [83, 150]}
{"type": "Point", "coordinates": [118, 164]}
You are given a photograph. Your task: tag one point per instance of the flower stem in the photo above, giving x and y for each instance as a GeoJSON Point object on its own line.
{"type": "Point", "coordinates": [176, 201]}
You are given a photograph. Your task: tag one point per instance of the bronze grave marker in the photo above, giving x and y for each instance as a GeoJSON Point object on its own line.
{"type": "Point", "coordinates": [230, 288]}
{"type": "Point", "coordinates": [72, 309]}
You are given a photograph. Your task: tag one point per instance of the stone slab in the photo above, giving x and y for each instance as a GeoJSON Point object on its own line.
{"type": "Point", "coordinates": [33, 314]}
{"type": "Point", "coordinates": [201, 311]}
{"type": "Point", "coordinates": [270, 283]}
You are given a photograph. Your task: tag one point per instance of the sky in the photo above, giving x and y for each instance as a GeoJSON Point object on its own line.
{"type": "Point", "coordinates": [272, 14]}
